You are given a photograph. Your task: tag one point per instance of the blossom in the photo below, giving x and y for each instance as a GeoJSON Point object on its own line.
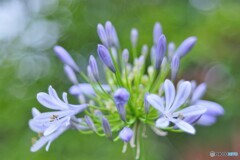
{"type": "Point", "coordinates": [126, 134]}
{"type": "Point", "coordinates": [171, 103]}
{"type": "Point", "coordinates": [52, 124]}
{"type": "Point", "coordinates": [106, 127]}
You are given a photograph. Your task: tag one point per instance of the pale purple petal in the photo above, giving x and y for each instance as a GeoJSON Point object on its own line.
{"type": "Point", "coordinates": [169, 93]}
{"type": "Point", "coordinates": [171, 50]}
{"type": "Point", "coordinates": [183, 93]}
{"type": "Point", "coordinates": [35, 112]}
{"type": "Point", "coordinates": [190, 111]}
{"type": "Point", "coordinates": [156, 102]}
{"type": "Point", "coordinates": [213, 108]}
{"type": "Point", "coordinates": [90, 123]}
{"type": "Point", "coordinates": [162, 122]}
{"type": "Point", "coordinates": [199, 92]}
{"type": "Point", "coordinates": [184, 126]}
{"type": "Point", "coordinates": [48, 102]}
{"type": "Point", "coordinates": [207, 120]}
{"type": "Point", "coordinates": [125, 56]}
{"type": "Point", "coordinates": [121, 97]}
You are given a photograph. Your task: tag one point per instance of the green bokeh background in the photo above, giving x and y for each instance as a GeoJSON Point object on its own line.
{"type": "Point", "coordinates": [218, 33]}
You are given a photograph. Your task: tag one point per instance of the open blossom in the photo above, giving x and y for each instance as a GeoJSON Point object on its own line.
{"type": "Point", "coordinates": [52, 124]}
{"type": "Point", "coordinates": [169, 106]}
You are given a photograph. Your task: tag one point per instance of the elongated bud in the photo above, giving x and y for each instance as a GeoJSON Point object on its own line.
{"type": "Point", "coordinates": [121, 97]}
{"type": "Point", "coordinates": [175, 66]}
{"type": "Point", "coordinates": [102, 35]}
{"type": "Point", "coordinates": [157, 32]}
{"type": "Point", "coordinates": [125, 55]}
{"type": "Point", "coordinates": [144, 50]}
{"type": "Point", "coordinates": [111, 34]}
{"type": "Point", "coordinates": [90, 74]}
{"type": "Point", "coordinates": [153, 55]}
{"type": "Point", "coordinates": [65, 57]}
{"type": "Point", "coordinates": [106, 128]}
{"type": "Point", "coordinates": [70, 74]}
{"type": "Point", "coordinates": [105, 57]}
{"type": "Point", "coordinates": [134, 37]}
{"type": "Point", "coordinates": [146, 103]}
{"type": "Point", "coordinates": [94, 67]}
{"type": "Point", "coordinates": [90, 123]}
{"type": "Point", "coordinates": [126, 134]}
{"type": "Point", "coordinates": [160, 51]}
{"type": "Point", "coordinates": [185, 46]}
{"type": "Point", "coordinates": [171, 50]}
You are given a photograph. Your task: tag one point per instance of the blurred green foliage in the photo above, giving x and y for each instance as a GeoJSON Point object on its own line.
{"type": "Point", "coordinates": [218, 33]}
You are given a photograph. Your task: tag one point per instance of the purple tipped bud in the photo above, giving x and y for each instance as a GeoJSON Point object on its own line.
{"type": "Point", "coordinates": [186, 46]}
{"type": "Point", "coordinates": [146, 103]}
{"type": "Point", "coordinates": [125, 55]}
{"type": "Point", "coordinates": [126, 134]}
{"type": "Point", "coordinates": [175, 66]}
{"type": "Point", "coordinates": [65, 57]}
{"type": "Point", "coordinates": [105, 57]}
{"type": "Point", "coordinates": [94, 67]}
{"type": "Point", "coordinates": [134, 37]}
{"type": "Point", "coordinates": [121, 97]}
{"type": "Point", "coordinates": [157, 32]}
{"type": "Point", "coordinates": [171, 50]}
{"type": "Point", "coordinates": [90, 123]}
{"type": "Point", "coordinates": [106, 128]}
{"type": "Point", "coordinates": [70, 74]}
{"type": "Point", "coordinates": [102, 34]}
{"type": "Point", "coordinates": [160, 51]}
{"type": "Point", "coordinates": [108, 29]}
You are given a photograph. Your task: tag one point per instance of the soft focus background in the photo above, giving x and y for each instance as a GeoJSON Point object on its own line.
{"type": "Point", "coordinates": [30, 28]}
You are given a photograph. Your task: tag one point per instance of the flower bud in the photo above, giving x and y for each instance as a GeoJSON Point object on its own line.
{"type": "Point", "coordinates": [160, 51]}
{"type": "Point", "coordinates": [175, 66]}
{"type": "Point", "coordinates": [185, 46]}
{"type": "Point", "coordinates": [70, 74]}
{"type": "Point", "coordinates": [121, 97]}
{"type": "Point", "coordinates": [144, 50]}
{"type": "Point", "coordinates": [171, 50]}
{"type": "Point", "coordinates": [65, 57]}
{"type": "Point", "coordinates": [102, 35]}
{"type": "Point", "coordinates": [106, 128]}
{"type": "Point", "coordinates": [134, 37]}
{"type": "Point", "coordinates": [126, 134]}
{"type": "Point", "coordinates": [90, 123]}
{"type": "Point", "coordinates": [94, 67]}
{"type": "Point", "coordinates": [125, 55]}
{"type": "Point", "coordinates": [157, 32]}
{"type": "Point", "coordinates": [105, 57]}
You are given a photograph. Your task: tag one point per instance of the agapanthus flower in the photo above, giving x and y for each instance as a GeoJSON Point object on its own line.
{"type": "Point", "coordinates": [52, 124]}
{"type": "Point", "coordinates": [170, 104]}
{"type": "Point", "coordinates": [135, 93]}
